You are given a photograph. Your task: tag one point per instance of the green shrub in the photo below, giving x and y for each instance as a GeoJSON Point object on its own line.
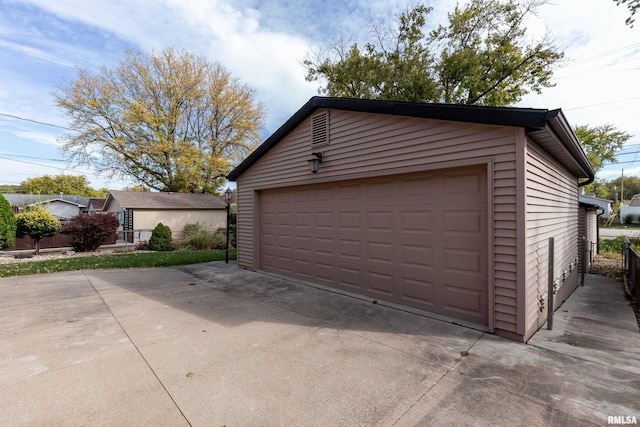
{"type": "Point", "coordinates": [629, 218]}
{"type": "Point", "coordinates": [191, 229]}
{"type": "Point", "coordinates": [7, 224]}
{"type": "Point", "coordinates": [203, 241]}
{"type": "Point", "coordinates": [36, 223]}
{"type": "Point", "coordinates": [612, 245]}
{"type": "Point", "coordinates": [161, 238]}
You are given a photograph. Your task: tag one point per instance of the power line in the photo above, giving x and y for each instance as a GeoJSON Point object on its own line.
{"type": "Point", "coordinates": [38, 164]}
{"type": "Point", "coordinates": [601, 54]}
{"type": "Point", "coordinates": [601, 103]}
{"type": "Point", "coordinates": [31, 157]}
{"type": "Point", "coordinates": [35, 121]}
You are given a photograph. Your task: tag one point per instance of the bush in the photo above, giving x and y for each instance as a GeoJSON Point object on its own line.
{"type": "Point", "coordinates": [629, 218]}
{"type": "Point", "coordinates": [88, 232]}
{"type": "Point", "coordinates": [161, 238]}
{"type": "Point", "coordinates": [201, 240]}
{"type": "Point", "coordinates": [7, 224]}
{"type": "Point", "coordinates": [36, 223]}
{"type": "Point", "coordinates": [612, 245]}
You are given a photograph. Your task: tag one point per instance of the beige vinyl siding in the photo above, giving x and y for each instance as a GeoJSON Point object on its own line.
{"type": "Point", "coordinates": [551, 211]}
{"type": "Point", "coordinates": [365, 145]}
{"type": "Point", "coordinates": [175, 219]}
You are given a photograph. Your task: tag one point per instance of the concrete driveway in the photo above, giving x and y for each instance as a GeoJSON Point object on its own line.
{"type": "Point", "coordinates": [213, 345]}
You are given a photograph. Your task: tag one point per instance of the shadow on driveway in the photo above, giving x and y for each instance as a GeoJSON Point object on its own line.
{"type": "Point", "coordinates": [211, 344]}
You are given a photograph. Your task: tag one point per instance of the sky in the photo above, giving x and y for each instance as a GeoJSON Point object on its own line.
{"type": "Point", "coordinates": [263, 43]}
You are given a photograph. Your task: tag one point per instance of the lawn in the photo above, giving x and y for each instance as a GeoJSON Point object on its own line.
{"type": "Point", "coordinates": [128, 260]}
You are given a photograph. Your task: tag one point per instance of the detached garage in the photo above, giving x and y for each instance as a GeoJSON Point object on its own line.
{"type": "Point", "coordinates": [441, 208]}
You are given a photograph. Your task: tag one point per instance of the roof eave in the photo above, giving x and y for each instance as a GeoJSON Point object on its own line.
{"type": "Point", "coordinates": [552, 123]}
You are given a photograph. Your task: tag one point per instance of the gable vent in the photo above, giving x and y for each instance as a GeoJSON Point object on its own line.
{"type": "Point", "coordinates": [320, 129]}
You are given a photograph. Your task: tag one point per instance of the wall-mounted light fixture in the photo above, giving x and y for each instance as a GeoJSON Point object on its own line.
{"type": "Point", "coordinates": [314, 163]}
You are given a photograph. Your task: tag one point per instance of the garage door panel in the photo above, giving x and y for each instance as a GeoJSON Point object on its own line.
{"type": "Point", "coordinates": [350, 249]}
{"type": "Point", "coordinates": [350, 278]}
{"type": "Point", "coordinates": [467, 303]}
{"type": "Point", "coordinates": [380, 283]}
{"type": "Point", "coordinates": [418, 240]}
{"type": "Point", "coordinates": [419, 186]}
{"type": "Point", "coordinates": [303, 267]}
{"type": "Point", "coordinates": [303, 244]}
{"type": "Point", "coordinates": [379, 190]}
{"type": "Point", "coordinates": [468, 223]}
{"type": "Point", "coordinates": [380, 221]}
{"type": "Point", "coordinates": [324, 220]}
{"type": "Point", "coordinates": [417, 289]}
{"type": "Point", "coordinates": [349, 221]}
{"type": "Point", "coordinates": [380, 252]}
{"type": "Point", "coordinates": [324, 246]}
{"type": "Point", "coordinates": [463, 260]}
{"type": "Point", "coordinates": [325, 272]}
{"type": "Point", "coordinates": [416, 221]}
{"type": "Point", "coordinates": [303, 220]}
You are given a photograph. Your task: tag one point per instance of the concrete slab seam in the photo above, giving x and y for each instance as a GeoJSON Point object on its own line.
{"type": "Point", "coordinates": [446, 372]}
{"type": "Point", "coordinates": [138, 350]}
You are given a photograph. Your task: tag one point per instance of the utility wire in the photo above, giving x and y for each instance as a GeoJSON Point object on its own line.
{"type": "Point", "coordinates": [35, 121]}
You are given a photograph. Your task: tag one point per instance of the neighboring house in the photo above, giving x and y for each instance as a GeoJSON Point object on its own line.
{"type": "Point", "coordinates": [443, 208]}
{"type": "Point", "coordinates": [591, 208]}
{"type": "Point", "coordinates": [630, 213]}
{"type": "Point", "coordinates": [61, 206]}
{"type": "Point", "coordinates": [95, 205]}
{"type": "Point", "coordinates": [603, 205]}
{"type": "Point", "coordinates": [140, 212]}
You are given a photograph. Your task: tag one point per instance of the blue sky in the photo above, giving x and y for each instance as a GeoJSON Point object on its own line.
{"type": "Point", "coordinates": [263, 42]}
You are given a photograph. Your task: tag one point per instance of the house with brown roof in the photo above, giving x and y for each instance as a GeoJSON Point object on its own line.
{"type": "Point", "coordinates": [140, 212]}
{"type": "Point", "coordinates": [444, 209]}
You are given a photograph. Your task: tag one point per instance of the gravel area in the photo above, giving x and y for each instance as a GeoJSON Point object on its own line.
{"type": "Point", "coordinates": [18, 257]}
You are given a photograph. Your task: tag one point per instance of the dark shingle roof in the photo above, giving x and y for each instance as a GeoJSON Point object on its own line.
{"type": "Point", "coordinates": [148, 200]}
{"type": "Point", "coordinates": [548, 128]}
{"type": "Point", "coordinates": [28, 199]}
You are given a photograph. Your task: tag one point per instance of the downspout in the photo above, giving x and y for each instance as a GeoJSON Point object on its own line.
{"type": "Point", "coordinates": [598, 229]}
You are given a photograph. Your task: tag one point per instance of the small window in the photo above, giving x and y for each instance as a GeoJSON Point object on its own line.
{"type": "Point", "coordinates": [320, 129]}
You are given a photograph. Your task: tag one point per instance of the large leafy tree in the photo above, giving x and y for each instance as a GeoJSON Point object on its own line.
{"type": "Point", "coordinates": [170, 120]}
{"type": "Point", "coordinates": [65, 184]}
{"type": "Point", "coordinates": [483, 56]}
{"type": "Point", "coordinates": [600, 143]}
{"type": "Point", "coordinates": [37, 223]}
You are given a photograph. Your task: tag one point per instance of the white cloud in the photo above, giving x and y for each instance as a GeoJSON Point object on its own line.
{"type": "Point", "coordinates": [40, 137]}
{"type": "Point", "coordinates": [262, 42]}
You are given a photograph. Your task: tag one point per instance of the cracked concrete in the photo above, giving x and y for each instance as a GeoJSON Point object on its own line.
{"type": "Point", "coordinates": [211, 344]}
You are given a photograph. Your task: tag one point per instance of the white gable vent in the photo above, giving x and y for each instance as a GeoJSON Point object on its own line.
{"type": "Point", "coordinates": [320, 129]}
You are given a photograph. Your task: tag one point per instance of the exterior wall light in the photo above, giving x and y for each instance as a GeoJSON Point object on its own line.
{"type": "Point", "coordinates": [314, 163]}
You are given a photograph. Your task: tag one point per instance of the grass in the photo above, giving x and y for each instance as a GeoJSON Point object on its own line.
{"type": "Point", "coordinates": [129, 260]}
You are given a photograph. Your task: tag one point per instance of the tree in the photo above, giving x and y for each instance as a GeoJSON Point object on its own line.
{"type": "Point", "coordinates": [88, 232]}
{"type": "Point", "coordinates": [37, 223]}
{"type": "Point", "coordinates": [482, 57]}
{"type": "Point", "coordinates": [161, 238]}
{"type": "Point", "coordinates": [65, 184]}
{"type": "Point", "coordinates": [633, 6]}
{"type": "Point", "coordinates": [138, 188]}
{"type": "Point", "coordinates": [170, 120]}
{"type": "Point", "coordinates": [7, 224]}
{"type": "Point", "coordinates": [600, 143]}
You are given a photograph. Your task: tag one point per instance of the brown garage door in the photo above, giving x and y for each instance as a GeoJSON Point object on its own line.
{"type": "Point", "coordinates": [416, 239]}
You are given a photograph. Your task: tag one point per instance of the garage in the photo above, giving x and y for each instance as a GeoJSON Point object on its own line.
{"type": "Point", "coordinates": [418, 240]}
{"type": "Point", "coordinates": [445, 209]}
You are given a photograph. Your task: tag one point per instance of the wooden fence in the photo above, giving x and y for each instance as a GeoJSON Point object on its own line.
{"type": "Point", "coordinates": [59, 240]}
